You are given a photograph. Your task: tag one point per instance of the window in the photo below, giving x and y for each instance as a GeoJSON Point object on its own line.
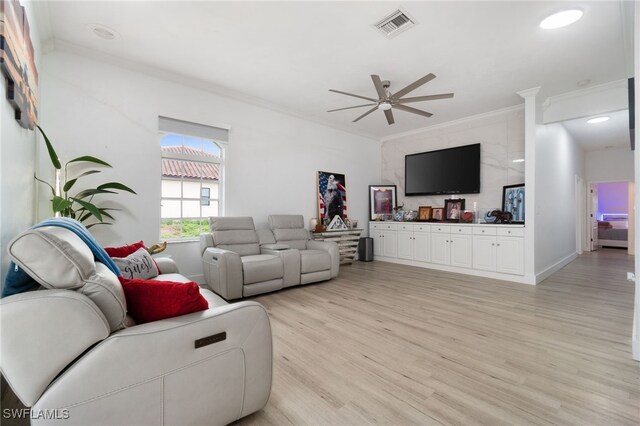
{"type": "Point", "coordinates": [192, 170]}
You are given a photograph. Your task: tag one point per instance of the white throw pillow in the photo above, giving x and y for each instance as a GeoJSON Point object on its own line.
{"type": "Point", "coordinates": [139, 265]}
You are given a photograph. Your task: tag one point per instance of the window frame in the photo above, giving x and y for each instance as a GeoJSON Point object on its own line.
{"type": "Point", "coordinates": [220, 161]}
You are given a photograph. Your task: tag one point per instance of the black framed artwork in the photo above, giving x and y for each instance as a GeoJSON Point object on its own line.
{"type": "Point", "coordinates": [453, 209]}
{"type": "Point", "coordinates": [382, 202]}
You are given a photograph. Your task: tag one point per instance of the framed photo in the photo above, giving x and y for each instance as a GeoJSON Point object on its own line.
{"type": "Point", "coordinates": [382, 201]}
{"type": "Point", "coordinates": [437, 214]}
{"type": "Point", "coordinates": [453, 208]}
{"type": "Point", "coordinates": [513, 201]}
{"type": "Point", "coordinates": [424, 213]}
{"type": "Point", "coordinates": [332, 196]}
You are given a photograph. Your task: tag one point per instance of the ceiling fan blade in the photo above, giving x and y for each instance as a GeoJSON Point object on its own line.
{"type": "Point", "coordinates": [425, 98]}
{"type": "Point", "coordinates": [357, 106]}
{"type": "Point", "coordinates": [413, 86]}
{"type": "Point", "coordinates": [389, 116]}
{"type": "Point", "coordinates": [355, 96]}
{"type": "Point", "coordinates": [379, 88]}
{"type": "Point", "coordinates": [366, 113]}
{"type": "Point", "coordinates": [413, 110]}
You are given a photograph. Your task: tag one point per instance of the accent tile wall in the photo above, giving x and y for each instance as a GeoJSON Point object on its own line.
{"type": "Point", "coordinates": [501, 138]}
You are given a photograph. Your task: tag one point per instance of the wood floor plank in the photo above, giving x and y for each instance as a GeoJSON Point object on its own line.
{"type": "Point", "coordinates": [393, 344]}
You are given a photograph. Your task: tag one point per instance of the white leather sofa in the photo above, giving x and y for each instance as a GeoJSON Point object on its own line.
{"type": "Point", "coordinates": [66, 347]}
{"type": "Point", "coordinates": [239, 261]}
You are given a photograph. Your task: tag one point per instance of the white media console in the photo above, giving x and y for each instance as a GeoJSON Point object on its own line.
{"type": "Point", "coordinates": [494, 251]}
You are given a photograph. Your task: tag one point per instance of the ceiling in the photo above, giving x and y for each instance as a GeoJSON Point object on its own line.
{"type": "Point", "coordinates": [609, 134]}
{"type": "Point", "coordinates": [289, 54]}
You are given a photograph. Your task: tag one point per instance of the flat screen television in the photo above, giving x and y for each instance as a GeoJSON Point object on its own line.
{"type": "Point", "coordinates": [445, 171]}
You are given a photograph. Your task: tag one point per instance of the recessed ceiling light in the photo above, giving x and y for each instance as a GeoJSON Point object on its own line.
{"type": "Point", "coordinates": [519, 160]}
{"type": "Point", "coordinates": [561, 19]}
{"type": "Point", "coordinates": [597, 120]}
{"type": "Point", "coordinates": [103, 31]}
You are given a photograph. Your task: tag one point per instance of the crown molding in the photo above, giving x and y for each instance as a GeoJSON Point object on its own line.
{"type": "Point", "coordinates": [576, 94]}
{"type": "Point", "coordinates": [453, 122]}
{"type": "Point", "coordinates": [55, 44]}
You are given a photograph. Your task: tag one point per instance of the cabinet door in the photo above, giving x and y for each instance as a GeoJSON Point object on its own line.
{"type": "Point", "coordinates": [390, 245]}
{"type": "Point", "coordinates": [461, 251]}
{"type": "Point", "coordinates": [377, 242]}
{"type": "Point", "coordinates": [440, 248]}
{"type": "Point", "coordinates": [484, 252]}
{"type": "Point", "coordinates": [405, 245]}
{"type": "Point", "coordinates": [510, 255]}
{"type": "Point", "coordinates": [421, 246]}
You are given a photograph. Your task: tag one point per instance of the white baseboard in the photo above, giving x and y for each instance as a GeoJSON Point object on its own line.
{"type": "Point", "coordinates": [541, 276]}
{"type": "Point", "coordinates": [522, 279]}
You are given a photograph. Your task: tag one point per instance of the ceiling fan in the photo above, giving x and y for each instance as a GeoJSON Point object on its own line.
{"type": "Point", "coordinates": [387, 100]}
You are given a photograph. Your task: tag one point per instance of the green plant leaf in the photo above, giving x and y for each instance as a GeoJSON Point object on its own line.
{"type": "Point", "coordinates": [53, 191]}
{"type": "Point", "coordinates": [90, 159]}
{"type": "Point", "coordinates": [84, 217]}
{"type": "Point", "coordinates": [97, 223]}
{"type": "Point", "coordinates": [117, 185]}
{"type": "Point", "coordinates": [89, 207]}
{"type": "Point", "coordinates": [52, 152]}
{"type": "Point", "coordinates": [88, 192]}
{"type": "Point", "coordinates": [106, 213]}
{"type": "Point", "coordinates": [67, 186]}
{"type": "Point", "coordinates": [59, 204]}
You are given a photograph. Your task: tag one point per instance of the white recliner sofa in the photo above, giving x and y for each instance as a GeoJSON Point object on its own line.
{"type": "Point", "coordinates": [66, 347]}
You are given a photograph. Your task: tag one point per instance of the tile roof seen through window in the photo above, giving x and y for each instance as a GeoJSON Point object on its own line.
{"type": "Point", "coordinates": [189, 169]}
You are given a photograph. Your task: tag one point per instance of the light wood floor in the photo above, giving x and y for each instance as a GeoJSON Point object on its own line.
{"type": "Point", "coordinates": [393, 344]}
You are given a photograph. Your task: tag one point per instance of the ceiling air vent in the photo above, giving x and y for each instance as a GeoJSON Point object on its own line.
{"type": "Point", "coordinates": [394, 24]}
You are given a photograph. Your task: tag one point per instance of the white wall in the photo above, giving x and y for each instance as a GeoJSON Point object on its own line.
{"type": "Point", "coordinates": [558, 160]}
{"type": "Point", "coordinates": [17, 153]}
{"type": "Point", "coordinates": [609, 165]}
{"type": "Point", "coordinates": [501, 138]}
{"type": "Point", "coordinates": [96, 108]}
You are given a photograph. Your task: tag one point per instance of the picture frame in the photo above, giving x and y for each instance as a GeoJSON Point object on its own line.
{"type": "Point", "coordinates": [453, 209]}
{"type": "Point", "coordinates": [332, 196]}
{"type": "Point", "coordinates": [513, 199]}
{"type": "Point", "coordinates": [382, 201]}
{"type": "Point", "coordinates": [437, 214]}
{"type": "Point", "coordinates": [424, 213]}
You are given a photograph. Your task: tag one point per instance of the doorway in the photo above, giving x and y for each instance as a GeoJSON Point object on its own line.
{"type": "Point", "coordinates": [610, 217]}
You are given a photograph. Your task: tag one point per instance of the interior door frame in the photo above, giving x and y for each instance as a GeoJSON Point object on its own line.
{"type": "Point", "coordinates": [590, 185]}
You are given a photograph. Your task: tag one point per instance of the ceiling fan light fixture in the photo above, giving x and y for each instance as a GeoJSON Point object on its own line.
{"type": "Point", "coordinates": [385, 106]}
{"type": "Point", "coordinates": [561, 19]}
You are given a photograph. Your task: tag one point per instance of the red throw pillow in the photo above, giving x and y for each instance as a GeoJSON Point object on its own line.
{"type": "Point", "coordinates": [149, 300]}
{"type": "Point", "coordinates": [124, 251]}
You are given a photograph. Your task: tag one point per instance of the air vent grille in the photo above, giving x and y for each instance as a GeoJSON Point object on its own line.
{"type": "Point", "coordinates": [395, 23]}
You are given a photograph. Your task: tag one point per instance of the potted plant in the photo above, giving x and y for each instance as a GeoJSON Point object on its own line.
{"type": "Point", "coordinates": [80, 205]}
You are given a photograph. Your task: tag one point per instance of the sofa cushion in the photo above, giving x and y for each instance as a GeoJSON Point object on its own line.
{"type": "Point", "coordinates": [289, 229]}
{"type": "Point", "coordinates": [139, 264]}
{"type": "Point", "coordinates": [314, 261]}
{"type": "Point", "coordinates": [236, 234]}
{"type": "Point", "coordinates": [152, 300]}
{"type": "Point", "coordinates": [261, 267]}
{"type": "Point", "coordinates": [58, 259]}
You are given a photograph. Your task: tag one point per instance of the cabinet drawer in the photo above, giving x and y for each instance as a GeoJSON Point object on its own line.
{"type": "Point", "coordinates": [380, 226]}
{"type": "Point", "coordinates": [511, 232]}
{"type": "Point", "coordinates": [421, 228]}
{"type": "Point", "coordinates": [441, 229]}
{"type": "Point", "coordinates": [484, 230]}
{"type": "Point", "coordinates": [405, 227]}
{"type": "Point", "coordinates": [461, 230]}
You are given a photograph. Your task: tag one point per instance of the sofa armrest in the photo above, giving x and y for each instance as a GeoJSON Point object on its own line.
{"type": "Point", "coordinates": [223, 272]}
{"type": "Point", "coordinates": [166, 265]}
{"type": "Point", "coordinates": [43, 332]}
{"type": "Point", "coordinates": [156, 373]}
{"type": "Point", "coordinates": [333, 250]}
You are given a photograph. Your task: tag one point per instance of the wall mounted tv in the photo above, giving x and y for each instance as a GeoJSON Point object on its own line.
{"type": "Point", "coordinates": [445, 171]}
